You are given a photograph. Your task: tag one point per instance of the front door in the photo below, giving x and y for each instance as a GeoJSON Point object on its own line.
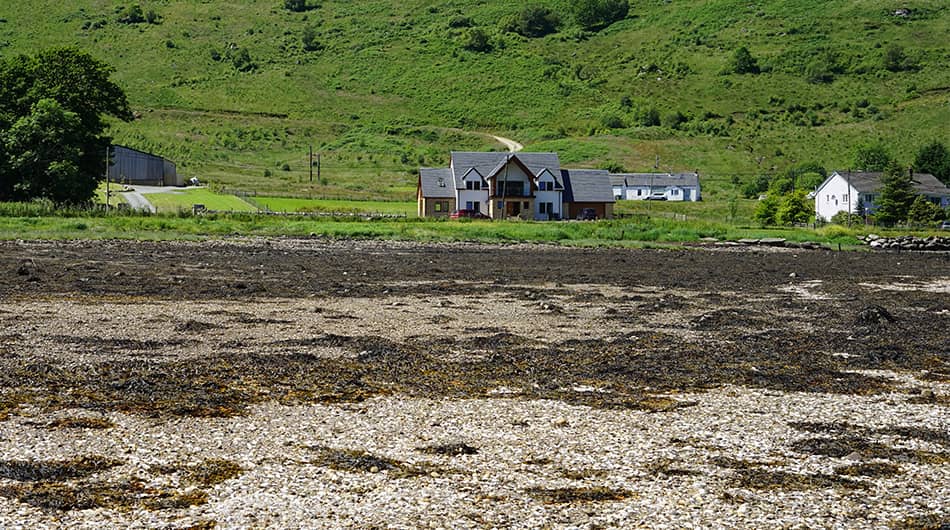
{"type": "Point", "coordinates": [513, 208]}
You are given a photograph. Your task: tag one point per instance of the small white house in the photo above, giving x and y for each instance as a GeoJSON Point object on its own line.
{"type": "Point", "coordinates": [841, 192]}
{"type": "Point", "coordinates": [656, 186]}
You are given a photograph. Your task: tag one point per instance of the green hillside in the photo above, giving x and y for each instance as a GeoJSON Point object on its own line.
{"type": "Point", "coordinates": [228, 90]}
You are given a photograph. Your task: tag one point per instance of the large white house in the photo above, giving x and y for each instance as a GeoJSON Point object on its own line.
{"type": "Point", "coordinates": [841, 192]}
{"type": "Point", "coordinates": [656, 186]}
{"type": "Point", "coordinates": [505, 185]}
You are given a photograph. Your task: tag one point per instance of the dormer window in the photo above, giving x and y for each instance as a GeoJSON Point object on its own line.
{"type": "Point", "coordinates": [473, 185]}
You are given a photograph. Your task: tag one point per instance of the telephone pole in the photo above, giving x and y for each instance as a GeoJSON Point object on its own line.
{"type": "Point", "coordinates": [311, 164]}
{"type": "Point", "coordinates": [107, 178]}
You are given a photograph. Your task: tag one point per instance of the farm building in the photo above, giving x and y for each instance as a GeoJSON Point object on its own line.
{"type": "Point", "coordinates": [656, 186]}
{"type": "Point", "coordinates": [131, 166]}
{"type": "Point", "coordinates": [841, 192]}
{"type": "Point", "coordinates": [504, 185]}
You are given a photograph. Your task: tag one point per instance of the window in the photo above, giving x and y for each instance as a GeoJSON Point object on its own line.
{"type": "Point", "coordinates": [844, 197]}
{"type": "Point", "coordinates": [501, 205]}
{"type": "Point", "coordinates": [524, 205]}
{"type": "Point", "coordinates": [468, 204]}
{"type": "Point", "coordinates": [473, 185]}
{"type": "Point", "coordinates": [546, 207]}
{"type": "Point", "coordinates": [546, 186]}
{"type": "Point", "coordinates": [477, 206]}
{"type": "Point", "coordinates": [639, 193]}
{"type": "Point", "coordinates": [441, 206]}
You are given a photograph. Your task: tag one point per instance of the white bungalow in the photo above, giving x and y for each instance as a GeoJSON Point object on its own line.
{"type": "Point", "coordinates": [841, 192]}
{"type": "Point", "coordinates": [656, 186]}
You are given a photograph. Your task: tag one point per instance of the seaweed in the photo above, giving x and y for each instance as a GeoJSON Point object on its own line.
{"type": "Point", "coordinates": [572, 495]}
{"type": "Point", "coordinates": [782, 480]}
{"type": "Point", "coordinates": [448, 449]}
{"type": "Point", "coordinates": [44, 470]}
{"type": "Point", "coordinates": [357, 461]}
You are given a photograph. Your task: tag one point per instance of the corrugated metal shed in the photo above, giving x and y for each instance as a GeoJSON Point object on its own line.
{"type": "Point", "coordinates": [131, 166]}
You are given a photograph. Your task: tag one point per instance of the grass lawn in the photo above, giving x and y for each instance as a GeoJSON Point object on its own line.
{"type": "Point", "coordinates": [288, 204]}
{"type": "Point", "coordinates": [116, 197]}
{"type": "Point", "coordinates": [173, 201]}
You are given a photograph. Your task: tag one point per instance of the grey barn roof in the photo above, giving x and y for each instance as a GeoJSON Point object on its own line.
{"type": "Point", "coordinates": [924, 183]}
{"type": "Point", "coordinates": [486, 162]}
{"type": "Point", "coordinates": [655, 179]}
{"type": "Point", "coordinates": [436, 183]}
{"type": "Point", "coordinates": [587, 185]}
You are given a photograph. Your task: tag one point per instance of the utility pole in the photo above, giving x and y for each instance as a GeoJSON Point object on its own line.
{"type": "Point", "coordinates": [318, 168]}
{"type": "Point", "coordinates": [107, 178]}
{"type": "Point", "coordinates": [504, 188]}
{"type": "Point", "coordinates": [849, 198]}
{"type": "Point", "coordinates": [311, 164]}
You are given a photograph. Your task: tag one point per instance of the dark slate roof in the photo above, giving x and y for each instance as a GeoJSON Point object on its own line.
{"type": "Point", "coordinates": [488, 162]}
{"type": "Point", "coordinates": [656, 179]}
{"type": "Point", "coordinates": [587, 185]}
{"type": "Point", "coordinates": [437, 183]}
{"type": "Point", "coordinates": [924, 183]}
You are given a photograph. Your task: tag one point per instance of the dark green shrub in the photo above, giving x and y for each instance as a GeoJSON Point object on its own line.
{"type": "Point", "coordinates": [461, 21]}
{"type": "Point", "coordinates": [241, 60]}
{"type": "Point", "coordinates": [596, 14]}
{"type": "Point", "coordinates": [297, 6]}
{"type": "Point", "coordinates": [309, 40]}
{"type": "Point", "coordinates": [131, 14]}
{"type": "Point", "coordinates": [533, 21]}
{"type": "Point", "coordinates": [743, 62]}
{"type": "Point", "coordinates": [476, 40]}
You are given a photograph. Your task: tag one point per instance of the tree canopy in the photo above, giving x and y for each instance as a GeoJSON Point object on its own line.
{"type": "Point", "coordinates": [52, 124]}
{"type": "Point", "coordinates": [934, 158]}
{"type": "Point", "coordinates": [595, 14]}
{"type": "Point", "coordinates": [897, 195]}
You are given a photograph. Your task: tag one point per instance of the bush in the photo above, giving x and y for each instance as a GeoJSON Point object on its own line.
{"type": "Point", "coordinates": [461, 21]}
{"type": "Point", "coordinates": [131, 14]}
{"type": "Point", "coordinates": [476, 40]}
{"type": "Point", "coordinates": [612, 121]}
{"type": "Point", "coordinates": [241, 60]}
{"type": "Point", "coordinates": [843, 218]}
{"type": "Point", "coordinates": [895, 60]}
{"type": "Point", "coordinates": [596, 14]}
{"type": "Point", "coordinates": [743, 62]}
{"type": "Point", "coordinates": [309, 40]}
{"type": "Point", "coordinates": [297, 6]}
{"type": "Point", "coordinates": [533, 21]}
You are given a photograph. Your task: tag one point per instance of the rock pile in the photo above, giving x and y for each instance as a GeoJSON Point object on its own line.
{"type": "Point", "coordinates": [907, 242]}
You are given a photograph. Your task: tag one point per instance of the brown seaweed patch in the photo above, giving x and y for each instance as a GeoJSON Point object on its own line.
{"type": "Point", "coordinates": [936, 521]}
{"type": "Point", "coordinates": [212, 472]}
{"type": "Point", "coordinates": [40, 470]}
{"type": "Point", "coordinates": [572, 495]}
{"type": "Point", "coordinates": [449, 449]}
{"type": "Point", "coordinates": [846, 445]}
{"type": "Point", "coordinates": [80, 423]}
{"type": "Point", "coordinates": [66, 497]}
{"type": "Point", "coordinates": [728, 462]}
{"type": "Point", "coordinates": [356, 461]}
{"type": "Point", "coordinates": [783, 480]}
{"type": "Point", "coordinates": [870, 469]}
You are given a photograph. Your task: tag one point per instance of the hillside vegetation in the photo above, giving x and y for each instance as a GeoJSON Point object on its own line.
{"type": "Point", "coordinates": [236, 92]}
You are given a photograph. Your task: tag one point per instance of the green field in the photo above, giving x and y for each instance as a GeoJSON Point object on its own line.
{"type": "Point", "coordinates": [391, 88]}
{"type": "Point", "coordinates": [174, 201]}
{"type": "Point", "coordinates": [294, 205]}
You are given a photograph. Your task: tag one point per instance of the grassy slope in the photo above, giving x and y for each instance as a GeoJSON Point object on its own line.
{"type": "Point", "coordinates": [392, 90]}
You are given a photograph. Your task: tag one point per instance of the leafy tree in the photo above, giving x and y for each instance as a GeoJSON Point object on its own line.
{"type": "Point", "coordinates": [533, 21]}
{"type": "Point", "coordinates": [476, 40]}
{"type": "Point", "coordinates": [45, 155]}
{"type": "Point", "coordinates": [781, 186]}
{"type": "Point", "coordinates": [596, 14]}
{"type": "Point", "coordinates": [241, 60]}
{"type": "Point", "coordinates": [872, 157]}
{"type": "Point", "coordinates": [743, 62]}
{"type": "Point", "coordinates": [795, 207]}
{"type": "Point", "coordinates": [756, 186]}
{"type": "Point", "coordinates": [897, 195]}
{"type": "Point", "coordinates": [923, 212]}
{"type": "Point", "coordinates": [934, 158]}
{"type": "Point", "coordinates": [80, 87]}
{"type": "Point", "coordinates": [766, 209]}
{"type": "Point", "coordinates": [809, 181]}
